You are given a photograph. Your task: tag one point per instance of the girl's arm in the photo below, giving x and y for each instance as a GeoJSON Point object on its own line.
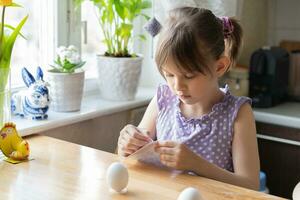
{"type": "Point", "coordinates": [149, 119]}
{"type": "Point", "coordinates": [132, 138]}
{"type": "Point", "coordinates": [244, 154]}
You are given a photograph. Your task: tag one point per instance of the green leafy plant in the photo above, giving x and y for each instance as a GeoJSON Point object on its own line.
{"type": "Point", "coordinates": [116, 21]}
{"type": "Point", "coordinates": [8, 35]}
{"type": "Point", "coordinates": [68, 60]}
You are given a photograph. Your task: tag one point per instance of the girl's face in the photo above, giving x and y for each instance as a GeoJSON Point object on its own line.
{"type": "Point", "coordinates": [191, 88]}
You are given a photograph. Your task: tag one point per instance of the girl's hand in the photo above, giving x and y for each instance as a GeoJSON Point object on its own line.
{"type": "Point", "coordinates": [131, 139]}
{"type": "Point", "coordinates": [175, 155]}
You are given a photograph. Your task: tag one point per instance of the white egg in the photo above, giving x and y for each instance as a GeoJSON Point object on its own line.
{"type": "Point", "coordinates": [117, 176]}
{"type": "Point", "coordinates": [296, 192]}
{"type": "Point", "coordinates": [190, 193]}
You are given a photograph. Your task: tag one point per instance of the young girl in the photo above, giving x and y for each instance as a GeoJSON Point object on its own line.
{"type": "Point", "coordinates": [199, 127]}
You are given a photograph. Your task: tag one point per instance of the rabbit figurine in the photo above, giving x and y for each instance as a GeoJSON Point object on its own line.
{"type": "Point", "coordinates": [34, 102]}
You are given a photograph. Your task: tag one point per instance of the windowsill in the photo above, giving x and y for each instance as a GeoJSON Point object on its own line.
{"type": "Point", "coordinates": [286, 114]}
{"type": "Point", "coordinates": [92, 106]}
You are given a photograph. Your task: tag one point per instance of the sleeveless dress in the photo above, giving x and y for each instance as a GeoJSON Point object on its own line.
{"type": "Point", "coordinates": [210, 135]}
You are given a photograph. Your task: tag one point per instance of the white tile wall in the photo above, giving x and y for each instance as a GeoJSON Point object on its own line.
{"type": "Point", "coordinates": [265, 22]}
{"type": "Point", "coordinates": [284, 20]}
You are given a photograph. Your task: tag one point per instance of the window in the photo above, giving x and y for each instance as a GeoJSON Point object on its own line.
{"type": "Point", "coordinates": [91, 41]}
{"type": "Point", "coordinates": [25, 52]}
{"type": "Point", "coordinates": [42, 35]}
{"type": "Point", "coordinates": [92, 37]}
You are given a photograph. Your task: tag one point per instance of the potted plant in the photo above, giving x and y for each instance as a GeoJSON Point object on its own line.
{"type": "Point", "coordinates": [8, 35]}
{"type": "Point", "coordinates": [66, 80]}
{"type": "Point", "coordinates": [118, 69]}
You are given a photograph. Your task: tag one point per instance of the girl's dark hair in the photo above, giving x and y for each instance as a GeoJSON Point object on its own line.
{"type": "Point", "coordinates": [193, 38]}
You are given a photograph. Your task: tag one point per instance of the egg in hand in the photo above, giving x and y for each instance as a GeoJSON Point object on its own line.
{"type": "Point", "coordinates": [117, 177]}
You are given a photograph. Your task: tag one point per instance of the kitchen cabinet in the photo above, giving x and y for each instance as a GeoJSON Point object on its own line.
{"type": "Point", "coordinates": [279, 151]}
{"type": "Point", "coordinates": [102, 132]}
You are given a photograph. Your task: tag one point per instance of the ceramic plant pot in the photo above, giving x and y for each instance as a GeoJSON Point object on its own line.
{"type": "Point", "coordinates": [118, 78]}
{"type": "Point", "coordinates": [66, 91]}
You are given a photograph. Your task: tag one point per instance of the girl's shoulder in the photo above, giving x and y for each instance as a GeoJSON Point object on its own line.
{"type": "Point", "coordinates": [164, 96]}
{"type": "Point", "coordinates": [234, 103]}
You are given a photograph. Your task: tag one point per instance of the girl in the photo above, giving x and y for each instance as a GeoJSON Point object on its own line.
{"type": "Point", "coordinates": [199, 127]}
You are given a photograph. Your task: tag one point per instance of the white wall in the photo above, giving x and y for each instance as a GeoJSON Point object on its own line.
{"type": "Point", "coordinates": [265, 22]}
{"type": "Point", "coordinates": [284, 20]}
{"type": "Point", "coordinates": [150, 75]}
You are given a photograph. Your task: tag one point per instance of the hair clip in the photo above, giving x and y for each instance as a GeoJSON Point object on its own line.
{"type": "Point", "coordinates": [227, 26]}
{"type": "Point", "coordinates": [153, 27]}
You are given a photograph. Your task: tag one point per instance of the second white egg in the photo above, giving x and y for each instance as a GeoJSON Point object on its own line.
{"type": "Point", "coordinates": [189, 193]}
{"type": "Point", "coordinates": [117, 176]}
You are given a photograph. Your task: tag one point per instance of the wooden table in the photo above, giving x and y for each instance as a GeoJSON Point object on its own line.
{"type": "Point", "coordinates": [63, 170]}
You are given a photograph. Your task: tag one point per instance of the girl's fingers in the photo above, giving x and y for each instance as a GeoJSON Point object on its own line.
{"type": "Point", "coordinates": [165, 150]}
{"type": "Point", "coordinates": [169, 164]}
{"type": "Point", "coordinates": [126, 153]}
{"type": "Point", "coordinates": [124, 144]}
{"type": "Point", "coordinates": [167, 158]}
{"type": "Point", "coordinates": [167, 143]}
{"type": "Point", "coordinates": [132, 139]}
{"type": "Point", "coordinates": [134, 132]}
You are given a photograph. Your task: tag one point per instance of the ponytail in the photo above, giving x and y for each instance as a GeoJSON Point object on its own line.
{"type": "Point", "coordinates": [233, 41]}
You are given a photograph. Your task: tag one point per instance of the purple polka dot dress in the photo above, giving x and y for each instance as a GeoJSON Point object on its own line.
{"type": "Point", "coordinates": [210, 135]}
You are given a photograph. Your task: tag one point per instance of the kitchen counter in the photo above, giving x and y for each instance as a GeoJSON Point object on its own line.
{"type": "Point", "coordinates": [286, 114]}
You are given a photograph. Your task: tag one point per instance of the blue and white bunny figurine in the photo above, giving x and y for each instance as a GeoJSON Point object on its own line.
{"type": "Point", "coordinates": [32, 103]}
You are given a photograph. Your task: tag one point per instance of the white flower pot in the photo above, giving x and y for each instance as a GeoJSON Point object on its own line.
{"type": "Point", "coordinates": [118, 78]}
{"type": "Point", "coordinates": [65, 91]}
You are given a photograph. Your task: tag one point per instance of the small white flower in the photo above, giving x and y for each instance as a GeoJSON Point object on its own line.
{"type": "Point", "coordinates": [60, 49]}
{"type": "Point", "coordinates": [69, 54]}
{"type": "Point", "coordinates": [75, 59]}
{"type": "Point", "coordinates": [72, 48]}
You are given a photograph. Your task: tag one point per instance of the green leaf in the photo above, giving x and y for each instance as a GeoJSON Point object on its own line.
{"type": "Point", "coordinates": [120, 9]}
{"type": "Point", "coordinates": [78, 3]}
{"type": "Point", "coordinates": [126, 29]}
{"type": "Point", "coordinates": [79, 65]}
{"type": "Point", "coordinates": [55, 70]}
{"type": "Point", "coordinates": [13, 28]}
{"type": "Point", "coordinates": [15, 5]}
{"type": "Point", "coordinates": [58, 61]}
{"type": "Point", "coordinates": [146, 16]}
{"type": "Point", "coordinates": [142, 37]}
{"type": "Point", "coordinates": [8, 45]}
{"type": "Point", "coordinates": [146, 5]}
{"type": "Point", "coordinates": [116, 22]}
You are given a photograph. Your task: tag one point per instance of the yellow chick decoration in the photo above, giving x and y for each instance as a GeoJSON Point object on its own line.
{"type": "Point", "coordinates": [11, 144]}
